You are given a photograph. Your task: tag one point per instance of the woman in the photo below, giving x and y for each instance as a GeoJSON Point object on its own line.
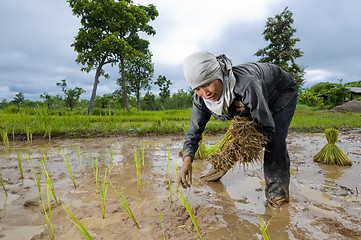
{"type": "Point", "coordinates": [263, 92]}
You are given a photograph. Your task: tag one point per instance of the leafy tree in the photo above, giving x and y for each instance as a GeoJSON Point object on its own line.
{"type": "Point", "coordinates": [139, 73]}
{"type": "Point", "coordinates": [47, 98]}
{"type": "Point", "coordinates": [71, 95]}
{"type": "Point", "coordinates": [109, 35]}
{"type": "Point", "coordinates": [282, 51]}
{"type": "Point", "coordinates": [19, 99]}
{"type": "Point", "coordinates": [149, 101]}
{"type": "Point", "coordinates": [353, 84]}
{"type": "Point", "coordinates": [163, 84]}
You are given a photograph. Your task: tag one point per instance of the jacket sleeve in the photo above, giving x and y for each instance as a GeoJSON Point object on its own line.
{"type": "Point", "coordinates": [199, 119]}
{"type": "Point", "coordinates": [254, 99]}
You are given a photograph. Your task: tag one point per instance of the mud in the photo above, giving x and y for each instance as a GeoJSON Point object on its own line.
{"type": "Point", "coordinates": [325, 201]}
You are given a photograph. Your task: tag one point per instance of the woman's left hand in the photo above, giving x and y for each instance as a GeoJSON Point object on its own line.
{"type": "Point", "coordinates": [240, 106]}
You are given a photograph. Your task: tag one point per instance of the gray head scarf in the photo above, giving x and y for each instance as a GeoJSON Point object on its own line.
{"type": "Point", "coordinates": [203, 67]}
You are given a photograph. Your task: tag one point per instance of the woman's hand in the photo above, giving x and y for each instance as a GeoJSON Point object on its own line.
{"type": "Point", "coordinates": [185, 173]}
{"type": "Point", "coordinates": [240, 106]}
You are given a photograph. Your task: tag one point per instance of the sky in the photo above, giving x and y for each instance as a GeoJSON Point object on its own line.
{"type": "Point", "coordinates": [36, 38]}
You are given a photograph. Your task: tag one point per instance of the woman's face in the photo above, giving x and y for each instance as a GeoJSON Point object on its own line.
{"type": "Point", "coordinates": [211, 91]}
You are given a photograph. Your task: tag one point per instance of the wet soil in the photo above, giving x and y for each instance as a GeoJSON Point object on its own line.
{"type": "Point", "coordinates": [325, 201]}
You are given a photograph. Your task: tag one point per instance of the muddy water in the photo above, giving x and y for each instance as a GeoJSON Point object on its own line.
{"type": "Point", "coordinates": [325, 200]}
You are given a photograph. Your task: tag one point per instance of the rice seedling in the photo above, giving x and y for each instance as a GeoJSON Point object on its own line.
{"type": "Point", "coordinates": [20, 165]}
{"type": "Point", "coordinates": [80, 159]}
{"type": "Point", "coordinates": [142, 151]}
{"type": "Point", "coordinates": [36, 175]}
{"type": "Point", "coordinates": [47, 132]}
{"type": "Point", "coordinates": [2, 184]}
{"type": "Point", "coordinates": [104, 192]}
{"type": "Point", "coordinates": [264, 228]}
{"type": "Point", "coordinates": [330, 153]}
{"type": "Point", "coordinates": [49, 180]}
{"type": "Point", "coordinates": [4, 135]}
{"type": "Point", "coordinates": [79, 227]}
{"type": "Point", "coordinates": [137, 165]}
{"type": "Point", "coordinates": [110, 159]}
{"type": "Point", "coordinates": [242, 143]}
{"type": "Point", "coordinates": [29, 135]}
{"type": "Point", "coordinates": [161, 223]}
{"type": "Point", "coordinates": [68, 165]}
{"type": "Point", "coordinates": [96, 173]}
{"type": "Point", "coordinates": [124, 203]}
{"type": "Point", "coordinates": [48, 216]}
{"type": "Point", "coordinates": [186, 204]}
{"type": "Point", "coordinates": [169, 176]}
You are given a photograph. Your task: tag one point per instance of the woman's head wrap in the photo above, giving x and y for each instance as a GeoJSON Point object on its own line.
{"type": "Point", "coordinates": [203, 67]}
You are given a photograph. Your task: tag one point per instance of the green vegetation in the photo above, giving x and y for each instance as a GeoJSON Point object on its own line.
{"type": "Point", "coordinates": [79, 227]}
{"type": "Point", "coordinates": [2, 184]}
{"type": "Point", "coordinates": [141, 122]}
{"type": "Point", "coordinates": [330, 153]}
{"type": "Point", "coordinates": [264, 228]}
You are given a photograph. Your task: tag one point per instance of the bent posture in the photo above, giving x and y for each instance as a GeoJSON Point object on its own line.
{"type": "Point", "coordinates": [263, 92]}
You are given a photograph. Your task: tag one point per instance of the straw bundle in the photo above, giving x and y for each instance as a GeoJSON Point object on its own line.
{"type": "Point", "coordinates": [330, 153]}
{"type": "Point", "coordinates": [242, 143]}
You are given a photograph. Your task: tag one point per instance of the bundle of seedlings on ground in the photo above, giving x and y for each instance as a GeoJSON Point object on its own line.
{"type": "Point", "coordinates": [330, 153]}
{"type": "Point", "coordinates": [242, 143]}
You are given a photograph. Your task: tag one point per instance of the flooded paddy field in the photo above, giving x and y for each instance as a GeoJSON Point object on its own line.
{"type": "Point", "coordinates": [325, 201]}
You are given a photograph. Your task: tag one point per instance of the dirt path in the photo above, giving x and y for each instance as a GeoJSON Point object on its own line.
{"type": "Point", "coordinates": [325, 200]}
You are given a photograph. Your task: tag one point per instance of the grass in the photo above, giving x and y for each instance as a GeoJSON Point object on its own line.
{"type": "Point", "coordinates": [79, 227]}
{"type": "Point", "coordinates": [142, 122]}
{"type": "Point", "coordinates": [124, 203]}
{"type": "Point", "coordinates": [69, 168]}
{"type": "Point", "coordinates": [2, 184]}
{"type": "Point", "coordinates": [48, 217]}
{"type": "Point", "coordinates": [264, 228]}
{"type": "Point", "coordinates": [186, 204]}
{"type": "Point", "coordinates": [137, 165]}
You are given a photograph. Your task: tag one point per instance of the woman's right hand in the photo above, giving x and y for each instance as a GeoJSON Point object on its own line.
{"type": "Point", "coordinates": [185, 173]}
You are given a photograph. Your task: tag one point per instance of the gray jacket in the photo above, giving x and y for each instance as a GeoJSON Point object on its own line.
{"type": "Point", "coordinates": [262, 87]}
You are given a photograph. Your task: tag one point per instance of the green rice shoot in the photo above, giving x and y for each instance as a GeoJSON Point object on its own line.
{"type": "Point", "coordinates": [96, 173]}
{"type": "Point", "coordinates": [48, 216]}
{"type": "Point", "coordinates": [20, 165]}
{"type": "Point", "coordinates": [4, 135]}
{"type": "Point", "coordinates": [264, 228]}
{"type": "Point", "coordinates": [49, 180]}
{"type": "Point", "coordinates": [161, 223]}
{"type": "Point", "coordinates": [169, 176]}
{"type": "Point", "coordinates": [124, 203]}
{"type": "Point", "coordinates": [2, 184]}
{"type": "Point", "coordinates": [69, 168]}
{"type": "Point", "coordinates": [104, 192]}
{"type": "Point", "coordinates": [137, 165]}
{"type": "Point", "coordinates": [330, 153]}
{"type": "Point", "coordinates": [78, 226]}
{"type": "Point", "coordinates": [186, 204]}
{"type": "Point", "coordinates": [142, 152]}
{"type": "Point", "coordinates": [80, 159]}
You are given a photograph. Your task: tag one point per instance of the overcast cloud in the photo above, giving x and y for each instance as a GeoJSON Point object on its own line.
{"type": "Point", "coordinates": [35, 51]}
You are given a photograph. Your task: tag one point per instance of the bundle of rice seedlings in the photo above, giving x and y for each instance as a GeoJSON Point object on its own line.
{"type": "Point", "coordinates": [330, 153]}
{"type": "Point", "coordinates": [242, 143]}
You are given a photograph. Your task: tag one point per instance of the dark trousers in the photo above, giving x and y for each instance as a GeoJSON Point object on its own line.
{"type": "Point", "coordinates": [276, 160]}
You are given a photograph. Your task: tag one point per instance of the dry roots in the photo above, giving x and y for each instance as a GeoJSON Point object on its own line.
{"type": "Point", "coordinates": [243, 145]}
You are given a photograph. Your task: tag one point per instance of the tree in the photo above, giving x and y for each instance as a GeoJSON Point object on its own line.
{"type": "Point", "coordinates": [71, 95]}
{"type": "Point", "coordinates": [163, 84]}
{"type": "Point", "coordinates": [19, 99]}
{"type": "Point", "coordinates": [149, 101]}
{"type": "Point", "coordinates": [138, 74]}
{"type": "Point", "coordinates": [281, 51]}
{"type": "Point", "coordinates": [46, 97]}
{"type": "Point", "coordinates": [109, 35]}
